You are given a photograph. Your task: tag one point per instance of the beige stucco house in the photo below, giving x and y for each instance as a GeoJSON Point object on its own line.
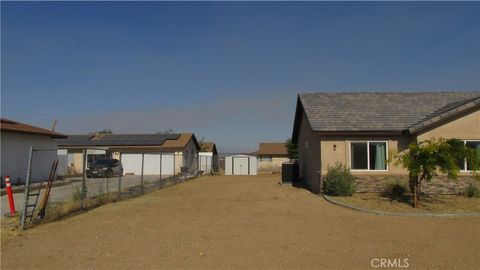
{"type": "Point", "coordinates": [161, 153]}
{"type": "Point", "coordinates": [271, 155]}
{"type": "Point", "coordinates": [16, 140]}
{"type": "Point", "coordinates": [362, 130]}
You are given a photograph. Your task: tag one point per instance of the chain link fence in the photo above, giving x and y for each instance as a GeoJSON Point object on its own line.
{"type": "Point", "coordinates": [98, 182]}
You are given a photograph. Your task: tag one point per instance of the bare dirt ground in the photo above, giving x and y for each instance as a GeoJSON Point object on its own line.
{"type": "Point", "coordinates": [234, 222]}
{"type": "Point", "coordinates": [427, 203]}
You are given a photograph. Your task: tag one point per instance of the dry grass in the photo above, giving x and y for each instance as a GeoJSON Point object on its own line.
{"type": "Point", "coordinates": [56, 211]}
{"type": "Point", "coordinates": [428, 203]}
{"type": "Point", "coordinates": [61, 210]}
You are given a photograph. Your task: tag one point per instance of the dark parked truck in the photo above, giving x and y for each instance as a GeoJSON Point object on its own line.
{"type": "Point", "coordinates": [105, 168]}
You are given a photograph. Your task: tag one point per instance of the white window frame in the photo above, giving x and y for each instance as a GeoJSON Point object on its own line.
{"type": "Point", "coordinates": [465, 160]}
{"type": "Point", "coordinates": [368, 156]}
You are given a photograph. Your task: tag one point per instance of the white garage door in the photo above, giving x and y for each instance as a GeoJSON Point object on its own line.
{"type": "Point", "coordinates": [151, 164]}
{"type": "Point", "coordinates": [168, 161]}
{"type": "Point", "coordinates": [240, 165]}
{"type": "Point", "coordinates": [205, 164]}
{"type": "Point", "coordinates": [132, 164]}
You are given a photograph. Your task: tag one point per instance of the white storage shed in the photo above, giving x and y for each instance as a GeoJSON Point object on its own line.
{"type": "Point", "coordinates": [240, 165]}
{"type": "Point", "coordinates": [208, 158]}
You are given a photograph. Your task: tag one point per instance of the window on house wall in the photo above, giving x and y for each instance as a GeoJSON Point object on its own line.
{"type": "Point", "coordinates": [266, 158]}
{"type": "Point", "coordinates": [463, 164]}
{"type": "Point", "coordinates": [368, 155]}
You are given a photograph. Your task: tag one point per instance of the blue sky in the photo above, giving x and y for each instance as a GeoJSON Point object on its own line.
{"type": "Point", "coordinates": [227, 71]}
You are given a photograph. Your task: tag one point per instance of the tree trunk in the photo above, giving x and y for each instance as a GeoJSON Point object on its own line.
{"type": "Point", "coordinates": [415, 195]}
{"type": "Point", "coordinates": [414, 188]}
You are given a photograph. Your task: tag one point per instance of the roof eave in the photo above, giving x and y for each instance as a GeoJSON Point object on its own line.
{"type": "Point", "coordinates": [359, 132]}
{"type": "Point", "coordinates": [297, 120]}
{"type": "Point", "coordinates": [445, 117]}
{"type": "Point", "coordinates": [53, 135]}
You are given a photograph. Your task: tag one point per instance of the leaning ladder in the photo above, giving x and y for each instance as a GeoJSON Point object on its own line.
{"type": "Point", "coordinates": [46, 194]}
{"type": "Point", "coordinates": [28, 206]}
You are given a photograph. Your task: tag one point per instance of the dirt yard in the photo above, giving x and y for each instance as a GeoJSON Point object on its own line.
{"type": "Point", "coordinates": [240, 222]}
{"type": "Point", "coordinates": [427, 204]}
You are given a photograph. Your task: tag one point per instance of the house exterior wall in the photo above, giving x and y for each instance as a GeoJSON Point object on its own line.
{"type": "Point", "coordinates": [341, 154]}
{"type": "Point", "coordinates": [78, 163]}
{"type": "Point", "coordinates": [309, 155]}
{"type": "Point", "coordinates": [274, 165]}
{"type": "Point", "coordinates": [15, 152]}
{"type": "Point", "coordinates": [62, 168]}
{"type": "Point", "coordinates": [466, 127]}
{"type": "Point", "coordinates": [215, 162]}
{"type": "Point", "coordinates": [190, 156]}
{"type": "Point", "coordinates": [186, 157]}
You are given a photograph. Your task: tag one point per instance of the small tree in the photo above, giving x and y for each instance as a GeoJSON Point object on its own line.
{"type": "Point", "coordinates": [423, 160]}
{"type": "Point", "coordinates": [292, 149]}
{"type": "Point", "coordinates": [167, 131]}
{"type": "Point", "coordinates": [103, 131]}
{"type": "Point", "coordinates": [203, 146]}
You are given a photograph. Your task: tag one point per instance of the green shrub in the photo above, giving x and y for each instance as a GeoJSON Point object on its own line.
{"type": "Point", "coordinates": [395, 189]}
{"type": "Point", "coordinates": [77, 194]}
{"type": "Point", "coordinates": [473, 191]}
{"type": "Point", "coordinates": [339, 181]}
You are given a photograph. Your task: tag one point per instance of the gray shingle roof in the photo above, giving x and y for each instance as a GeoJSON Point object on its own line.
{"type": "Point", "coordinates": [382, 111]}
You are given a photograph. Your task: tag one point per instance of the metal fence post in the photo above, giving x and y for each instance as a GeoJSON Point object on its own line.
{"type": "Point", "coordinates": [120, 179]}
{"type": "Point", "coordinates": [141, 176]}
{"type": "Point", "coordinates": [84, 174]}
{"type": "Point", "coordinates": [174, 166]}
{"type": "Point", "coordinates": [161, 160]}
{"type": "Point", "coordinates": [108, 190]}
{"type": "Point", "coordinates": [27, 188]}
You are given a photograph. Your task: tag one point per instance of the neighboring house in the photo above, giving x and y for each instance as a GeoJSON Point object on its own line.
{"type": "Point", "coordinates": [165, 153]}
{"type": "Point", "coordinates": [208, 158]}
{"type": "Point", "coordinates": [16, 140]}
{"type": "Point", "coordinates": [271, 156]}
{"type": "Point", "coordinates": [240, 165]}
{"type": "Point", "coordinates": [361, 130]}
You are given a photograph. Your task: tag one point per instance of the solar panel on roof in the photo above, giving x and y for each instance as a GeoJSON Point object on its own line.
{"type": "Point", "coordinates": [119, 139]}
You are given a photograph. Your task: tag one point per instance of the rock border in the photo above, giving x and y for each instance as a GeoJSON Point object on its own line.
{"type": "Point", "coordinates": [383, 213]}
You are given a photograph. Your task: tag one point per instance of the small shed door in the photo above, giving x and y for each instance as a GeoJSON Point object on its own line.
{"type": "Point", "coordinates": [240, 165]}
{"type": "Point", "coordinates": [205, 163]}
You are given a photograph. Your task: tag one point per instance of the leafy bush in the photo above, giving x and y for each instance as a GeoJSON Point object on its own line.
{"type": "Point", "coordinates": [339, 181]}
{"type": "Point", "coordinates": [473, 191]}
{"type": "Point", "coordinates": [77, 194]}
{"type": "Point", "coordinates": [395, 189]}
